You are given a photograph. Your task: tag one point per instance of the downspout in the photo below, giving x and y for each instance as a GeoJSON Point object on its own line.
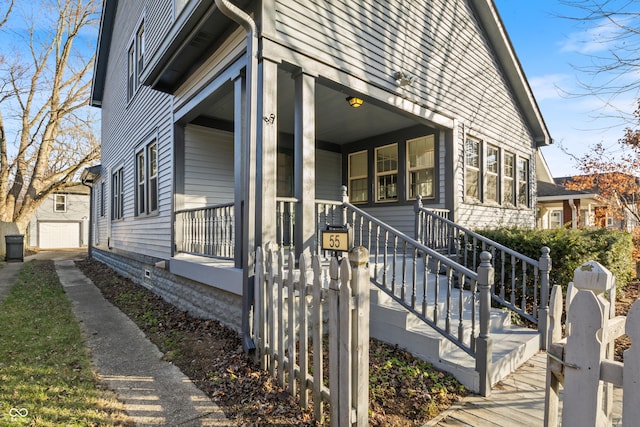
{"type": "Point", "coordinates": [249, 164]}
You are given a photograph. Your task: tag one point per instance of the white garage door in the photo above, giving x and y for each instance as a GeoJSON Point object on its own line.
{"type": "Point", "coordinates": [55, 235]}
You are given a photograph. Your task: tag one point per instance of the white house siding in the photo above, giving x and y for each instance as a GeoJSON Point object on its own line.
{"type": "Point", "coordinates": [128, 124]}
{"type": "Point", "coordinates": [208, 177]}
{"type": "Point", "coordinates": [441, 45]}
{"type": "Point", "coordinates": [328, 175]}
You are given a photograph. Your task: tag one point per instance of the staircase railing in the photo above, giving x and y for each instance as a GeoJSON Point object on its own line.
{"type": "Point", "coordinates": [522, 283]}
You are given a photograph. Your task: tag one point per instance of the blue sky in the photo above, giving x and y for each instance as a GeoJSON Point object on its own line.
{"type": "Point", "coordinates": [550, 48]}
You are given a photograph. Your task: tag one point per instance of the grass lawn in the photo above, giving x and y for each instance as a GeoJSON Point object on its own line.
{"type": "Point", "coordinates": [46, 378]}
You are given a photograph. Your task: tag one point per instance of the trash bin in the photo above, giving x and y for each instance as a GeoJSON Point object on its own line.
{"type": "Point", "coordinates": [15, 247]}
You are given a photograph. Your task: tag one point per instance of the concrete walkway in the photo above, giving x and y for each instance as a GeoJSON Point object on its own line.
{"type": "Point", "coordinates": [154, 392]}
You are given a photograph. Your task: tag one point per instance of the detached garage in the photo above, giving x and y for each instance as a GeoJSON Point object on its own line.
{"type": "Point", "coordinates": [58, 235]}
{"type": "Point", "coordinates": [61, 221]}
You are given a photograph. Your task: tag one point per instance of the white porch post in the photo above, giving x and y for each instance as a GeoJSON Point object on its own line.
{"type": "Point", "coordinates": [305, 161]}
{"type": "Point", "coordinates": [267, 152]}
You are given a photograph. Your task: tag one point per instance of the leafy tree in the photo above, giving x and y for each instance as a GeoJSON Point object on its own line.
{"type": "Point", "coordinates": [47, 131]}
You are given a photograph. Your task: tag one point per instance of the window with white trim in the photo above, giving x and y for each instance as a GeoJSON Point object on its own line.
{"type": "Point", "coordinates": [147, 179]}
{"type": "Point", "coordinates": [555, 218]}
{"type": "Point", "coordinates": [508, 179]}
{"type": "Point", "coordinates": [523, 182]}
{"type": "Point", "coordinates": [387, 173]}
{"type": "Point", "coordinates": [472, 169]}
{"type": "Point", "coordinates": [135, 62]}
{"type": "Point", "coordinates": [493, 170]}
{"type": "Point", "coordinates": [117, 195]}
{"type": "Point", "coordinates": [103, 201]}
{"type": "Point", "coordinates": [59, 202]}
{"type": "Point", "coordinates": [421, 167]}
{"type": "Point", "coordinates": [358, 177]}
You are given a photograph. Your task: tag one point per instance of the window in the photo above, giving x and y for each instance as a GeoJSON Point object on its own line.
{"type": "Point", "coordinates": [387, 173]}
{"type": "Point", "coordinates": [420, 167]}
{"type": "Point", "coordinates": [59, 202]}
{"type": "Point", "coordinates": [610, 221]}
{"type": "Point", "coordinates": [358, 177]}
{"type": "Point", "coordinates": [117, 211]}
{"type": "Point", "coordinates": [523, 182]}
{"type": "Point", "coordinates": [472, 169]}
{"type": "Point", "coordinates": [103, 201]}
{"type": "Point", "coordinates": [147, 179]}
{"type": "Point", "coordinates": [135, 62]}
{"type": "Point", "coordinates": [509, 179]}
{"type": "Point", "coordinates": [555, 219]}
{"type": "Point", "coordinates": [493, 170]}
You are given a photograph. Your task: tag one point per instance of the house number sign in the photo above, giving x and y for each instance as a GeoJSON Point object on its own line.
{"type": "Point", "coordinates": [338, 240]}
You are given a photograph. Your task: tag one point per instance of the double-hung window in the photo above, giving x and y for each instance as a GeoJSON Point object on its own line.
{"type": "Point", "coordinates": [472, 169]}
{"type": "Point", "coordinates": [523, 182]}
{"type": "Point", "coordinates": [147, 179]}
{"type": "Point", "coordinates": [421, 167]}
{"type": "Point", "coordinates": [387, 173]}
{"type": "Point", "coordinates": [135, 62]}
{"type": "Point", "coordinates": [103, 201]}
{"type": "Point", "coordinates": [555, 218]}
{"type": "Point", "coordinates": [358, 177]}
{"type": "Point", "coordinates": [117, 193]}
{"type": "Point", "coordinates": [493, 170]}
{"type": "Point", "coordinates": [59, 202]}
{"type": "Point", "coordinates": [508, 179]}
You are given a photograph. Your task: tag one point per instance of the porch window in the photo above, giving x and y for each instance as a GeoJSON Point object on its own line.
{"type": "Point", "coordinates": [420, 167]}
{"type": "Point", "coordinates": [117, 211]}
{"type": "Point", "coordinates": [358, 177]}
{"type": "Point", "coordinates": [387, 173]}
{"type": "Point", "coordinates": [472, 169]}
{"type": "Point", "coordinates": [523, 182]}
{"type": "Point", "coordinates": [493, 155]}
{"type": "Point", "coordinates": [147, 179]}
{"type": "Point", "coordinates": [59, 202]}
{"type": "Point", "coordinates": [509, 179]}
{"type": "Point", "coordinates": [555, 219]}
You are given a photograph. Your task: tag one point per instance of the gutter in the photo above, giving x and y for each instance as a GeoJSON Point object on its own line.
{"type": "Point", "coordinates": [249, 164]}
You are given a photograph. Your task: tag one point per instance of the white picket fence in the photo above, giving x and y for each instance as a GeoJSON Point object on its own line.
{"type": "Point", "coordinates": [583, 361]}
{"type": "Point", "coordinates": [289, 321]}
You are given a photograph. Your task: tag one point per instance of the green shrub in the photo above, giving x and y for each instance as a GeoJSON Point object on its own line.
{"type": "Point", "coordinates": [571, 248]}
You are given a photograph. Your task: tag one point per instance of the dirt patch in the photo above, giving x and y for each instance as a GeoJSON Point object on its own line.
{"type": "Point", "coordinates": [404, 391]}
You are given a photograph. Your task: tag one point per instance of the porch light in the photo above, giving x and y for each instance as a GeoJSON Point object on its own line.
{"type": "Point", "coordinates": [402, 78]}
{"type": "Point", "coordinates": [354, 102]}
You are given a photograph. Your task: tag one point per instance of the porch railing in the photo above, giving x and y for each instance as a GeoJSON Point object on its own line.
{"type": "Point", "coordinates": [285, 221]}
{"type": "Point", "coordinates": [207, 231]}
{"type": "Point", "coordinates": [522, 283]}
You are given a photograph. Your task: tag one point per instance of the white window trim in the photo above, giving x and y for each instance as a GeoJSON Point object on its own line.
{"type": "Point", "coordinates": [135, 59]}
{"type": "Point", "coordinates": [477, 169]}
{"type": "Point", "coordinates": [491, 173]}
{"type": "Point", "coordinates": [356, 177]}
{"type": "Point", "coordinates": [527, 203]}
{"type": "Point", "coordinates": [385, 173]}
{"type": "Point", "coordinates": [509, 181]}
{"type": "Point", "coordinates": [55, 203]}
{"type": "Point", "coordinates": [143, 152]}
{"type": "Point", "coordinates": [410, 169]}
{"type": "Point", "coordinates": [117, 194]}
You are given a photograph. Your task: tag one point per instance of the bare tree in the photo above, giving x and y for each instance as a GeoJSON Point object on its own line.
{"type": "Point", "coordinates": [47, 131]}
{"type": "Point", "coordinates": [612, 43]}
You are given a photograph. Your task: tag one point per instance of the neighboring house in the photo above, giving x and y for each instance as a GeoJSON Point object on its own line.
{"type": "Point", "coordinates": [562, 207]}
{"type": "Point", "coordinates": [61, 221]}
{"type": "Point", "coordinates": [205, 121]}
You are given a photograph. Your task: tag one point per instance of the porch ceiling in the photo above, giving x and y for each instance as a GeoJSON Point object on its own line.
{"type": "Point", "coordinates": [336, 121]}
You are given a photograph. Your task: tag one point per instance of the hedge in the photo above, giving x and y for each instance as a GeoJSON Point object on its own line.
{"type": "Point", "coordinates": [571, 248]}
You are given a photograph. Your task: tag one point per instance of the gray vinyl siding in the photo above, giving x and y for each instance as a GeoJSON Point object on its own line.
{"type": "Point", "coordinates": [328, 175]}
{"type": "Point", "coordinates": [208, 178]}
{"type": "Point", "coordinates": [401, 217]}
{"type": "Point", "coordinates": [441, 44]}
{"type": "Point", "coordinates": [126, 124]}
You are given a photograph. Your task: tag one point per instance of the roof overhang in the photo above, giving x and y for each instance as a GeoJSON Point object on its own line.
{"type": "Point", "coordinates": [498, 37]}
{"type": "Point", "coordinates": [90, 174]}
{"type": "Point", "coordinates": [107, 19]}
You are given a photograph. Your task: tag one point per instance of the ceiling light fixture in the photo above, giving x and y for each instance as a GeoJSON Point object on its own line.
{"type": "Point", "coordinates": [355, 102]}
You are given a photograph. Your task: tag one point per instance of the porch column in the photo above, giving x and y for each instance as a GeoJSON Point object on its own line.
{"type": "Point", "coordinates": [267, 146]}
{"type": "Point", "coordinates": [305, 162]}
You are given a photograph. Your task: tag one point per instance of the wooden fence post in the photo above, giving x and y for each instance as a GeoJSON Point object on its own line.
{"type": "Point", "coordinates": [484, 348]}
{"type": "Point", "coordinates": [552, 393]}
{"type": "Point", "coordinates": [544, 266]}
{"type": "Point", "coordinates": [631, 370]}
{"type": "Point", "coordinates": [334, 342]}
{"type": "Point", "coordinates": [588, 314]}
{"type": "Point", "coordinates": [359, 260]}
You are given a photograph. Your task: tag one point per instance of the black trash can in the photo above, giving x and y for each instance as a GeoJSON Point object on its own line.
{"type": "Point", "coordinates": [15, 247]}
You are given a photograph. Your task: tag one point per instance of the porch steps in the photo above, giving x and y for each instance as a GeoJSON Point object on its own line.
{"type": "Point", "coordinates": [512, 345]}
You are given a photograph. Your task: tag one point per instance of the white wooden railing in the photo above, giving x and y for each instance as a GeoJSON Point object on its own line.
{"type": "Point", "coordinates": [583, 361]}
{"type": "Point", "coordinates": [207, 231]}
{"type": "Point", "coordinates": [290, 309]}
